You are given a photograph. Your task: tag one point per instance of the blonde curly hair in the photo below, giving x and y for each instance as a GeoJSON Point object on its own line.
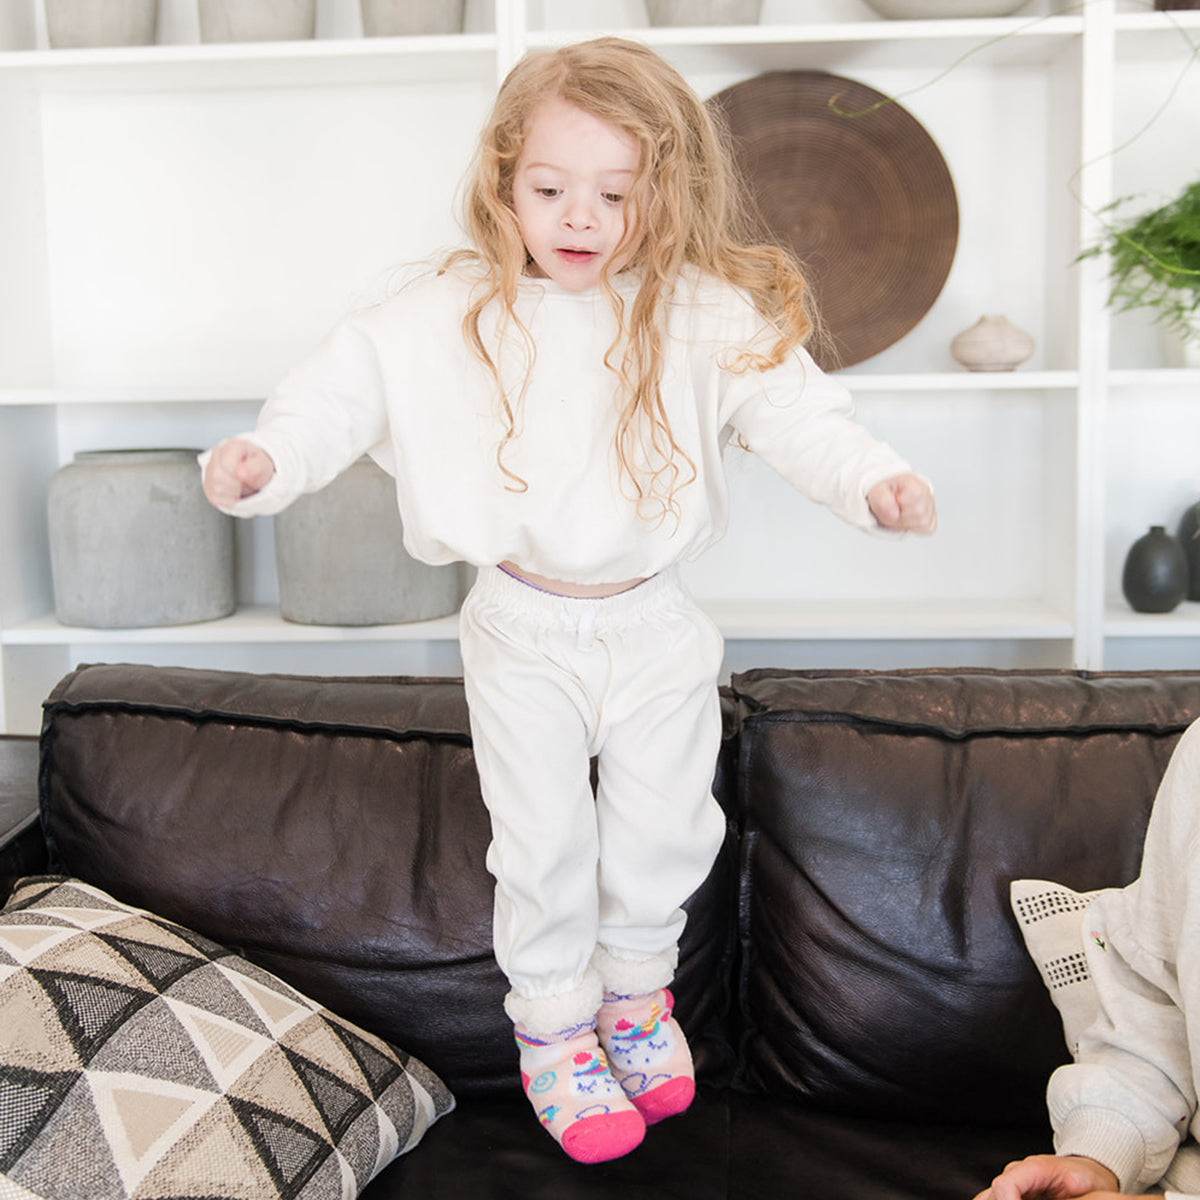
{"type": "Point", "coordinates": [686, 208]}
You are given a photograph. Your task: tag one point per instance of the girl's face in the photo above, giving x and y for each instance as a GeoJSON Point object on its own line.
{"type": "Point", "coordinates": [569, 189]}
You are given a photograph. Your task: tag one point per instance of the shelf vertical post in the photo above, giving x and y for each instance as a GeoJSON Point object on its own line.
{"type": "Point", "coordinates": [510, 35]}
{"type": "Point", "coordinates": [1095, 192]}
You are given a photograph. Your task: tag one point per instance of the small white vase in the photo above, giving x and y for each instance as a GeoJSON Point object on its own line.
{"type": "Point", "coordinates": [703, 12]}
{"type": "Point", "coordinates": [904, 10]}
{"type": "Point", "coordinates": [71, 24]}
{"type": "Point", "coordinates": [412, 18]}
{"type": "Point", "coordinates": [993, 343]}
{"type": "Point", "coordinates": [257, 20]}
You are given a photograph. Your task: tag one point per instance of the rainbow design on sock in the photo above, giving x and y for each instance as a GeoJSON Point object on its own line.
{"type": "Point", "coordinates": [588, 1062]}
{"type": "Point", "coordinates": [630, 1032]}
{"type": "Point", "coordinates": [561, 1035]}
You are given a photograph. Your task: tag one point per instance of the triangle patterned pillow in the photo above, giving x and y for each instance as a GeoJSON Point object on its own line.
{"type": "Point", "coordinates": [140, 1059]}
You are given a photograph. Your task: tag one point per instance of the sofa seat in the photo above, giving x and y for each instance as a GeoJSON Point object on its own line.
{"type": "Point", "coordinates": [727, 1146]}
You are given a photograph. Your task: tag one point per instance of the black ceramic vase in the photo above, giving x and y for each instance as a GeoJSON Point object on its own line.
{"type": "Point", "coordinates": [1155, 578]}
{"type": "Point", "coordinates": [1189, 539]}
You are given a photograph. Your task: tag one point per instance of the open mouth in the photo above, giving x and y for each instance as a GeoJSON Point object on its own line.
{"type": "Point", "coordinates": [575, 256]}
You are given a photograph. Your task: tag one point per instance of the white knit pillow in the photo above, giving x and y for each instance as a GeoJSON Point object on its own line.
{"type": "Point", "coordinates": [1050, 917]}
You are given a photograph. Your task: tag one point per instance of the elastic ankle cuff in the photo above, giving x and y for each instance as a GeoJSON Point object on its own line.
{"type": "Point", "coordinates": [635, 976]}
{"type": "Point", "coordinates": [552, 1018]}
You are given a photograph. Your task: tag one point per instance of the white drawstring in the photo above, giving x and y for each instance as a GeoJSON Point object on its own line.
{"type": "Point", "coordinates": [584, 628]}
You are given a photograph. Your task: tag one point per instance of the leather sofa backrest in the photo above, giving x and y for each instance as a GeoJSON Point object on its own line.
{"type": "Point", "coordinates": [884, 816]}
{"type": "Point", "coordinates": [331, 829]}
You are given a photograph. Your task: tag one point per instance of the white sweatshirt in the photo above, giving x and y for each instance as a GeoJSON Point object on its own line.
{"type": "Point", "coordinates": [1130, 1098]}
{"type": "Point", "coordinates": [398, 382]}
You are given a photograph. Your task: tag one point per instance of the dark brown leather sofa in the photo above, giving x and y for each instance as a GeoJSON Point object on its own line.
{"type": "Point", "coordinates": [866, 1021]}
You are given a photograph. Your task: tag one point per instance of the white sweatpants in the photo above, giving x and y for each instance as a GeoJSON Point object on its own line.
{"type": "Point", "coordinates": [588, 889]}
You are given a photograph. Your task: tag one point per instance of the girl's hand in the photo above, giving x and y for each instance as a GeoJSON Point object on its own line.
{"type": "Point", "coordinates": [235, 470]}
{"type": "Point", "coordinates": [904, 502]}
{"type": "Point", "coordinates": [1053, 1177]}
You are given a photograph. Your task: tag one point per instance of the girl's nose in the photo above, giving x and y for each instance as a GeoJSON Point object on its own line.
{"type": "Point", "coordinates": [579, 215]}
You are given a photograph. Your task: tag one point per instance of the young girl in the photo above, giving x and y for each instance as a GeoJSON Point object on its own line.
{"type": "Point", "coordinates": [554, 403]}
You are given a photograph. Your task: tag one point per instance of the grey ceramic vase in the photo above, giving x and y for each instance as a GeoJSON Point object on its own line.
{"type": "Point", "coordinates": [704, 12]}
{"type": "Point", "coordinates": [75, 24]}
{"type": "Point", "coordinates": [411, 18]}
{"type": "Point", "coordinates": [1155, 577]}
{"type": "Point", "coordinates": [257, 20]}
{"type": "Point", "coordinates": [134, 543]}
{"type": "Point", "coordinates": [340, 558]}
{"type": "Point", "coordinates": [905, 10]}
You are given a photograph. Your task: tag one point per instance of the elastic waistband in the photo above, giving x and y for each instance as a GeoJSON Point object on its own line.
{"type": "Point", "coordinates": [498, 587]}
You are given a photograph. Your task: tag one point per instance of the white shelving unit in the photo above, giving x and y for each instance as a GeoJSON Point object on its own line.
{"type": "Point", "coordinates": [179, 223]}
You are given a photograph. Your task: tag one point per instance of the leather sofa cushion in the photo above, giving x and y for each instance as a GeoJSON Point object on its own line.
{"type": "Point", "coordinates": [884, 817]}
{"type": "Point", "coordinates": [330, 828]}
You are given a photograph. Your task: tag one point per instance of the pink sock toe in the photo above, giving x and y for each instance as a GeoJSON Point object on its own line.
{"type": "Point", "coordinates": [598, 1139]}
{"type": "Point", "coordinates": [665, 1101]}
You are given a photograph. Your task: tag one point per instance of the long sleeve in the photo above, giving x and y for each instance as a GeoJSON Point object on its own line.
{"type": "Point", "coordinates": [1130, 1098]}
{"type": "Point", "coordinates": [801, 422]}
{"type": "Point", "coordinates": [327, 412]}
{"type": "Point", "coordinates": [811, 438]}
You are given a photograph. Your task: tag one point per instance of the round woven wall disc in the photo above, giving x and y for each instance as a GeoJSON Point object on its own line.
{"type": "Point", "coordinates": [864, 200]}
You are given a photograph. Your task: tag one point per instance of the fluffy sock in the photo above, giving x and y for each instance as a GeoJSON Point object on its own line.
{"type": "Point", "coordinates": [575, 1097]}
{"type": "Point", "coordinates": [647, 1052]}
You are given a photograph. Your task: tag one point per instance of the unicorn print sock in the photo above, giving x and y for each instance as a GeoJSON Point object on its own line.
{"type": "Point", "coordinates": [582, 1107]}
{"type": "Point", "coordinates": [647, 1052]}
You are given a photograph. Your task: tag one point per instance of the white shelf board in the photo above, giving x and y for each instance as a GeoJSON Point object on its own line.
{"type": "Point", "coordinates": [49, 397]}
{"type": "Point", "coordinates": [955, 381]}
{"type": "Point", "coordinates": [962, 381]}
{"type": "Point", "coordinates": [892, 620]}
{"type": "Point", "coordinates": [798, 620]}
{"type": "Point", "coordinates": [899, 43]}
{"type": "Point", "coordinates": [1159, 378]}
{"type": "Point", "coordinates": [253, 64]}
{"type": "Point", "coordinates": [253, 624]}
{"type": "Point", "coordinates": [1120, 621]}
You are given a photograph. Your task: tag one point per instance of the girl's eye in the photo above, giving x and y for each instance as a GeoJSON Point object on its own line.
{"type": "Point", "coordinates": [548, 192]}
{"type": "Point", "coordinates": [613, 197]}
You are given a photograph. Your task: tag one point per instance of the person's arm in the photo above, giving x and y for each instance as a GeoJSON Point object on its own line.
{"type": "Point", "coordinates": [801, 422]}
